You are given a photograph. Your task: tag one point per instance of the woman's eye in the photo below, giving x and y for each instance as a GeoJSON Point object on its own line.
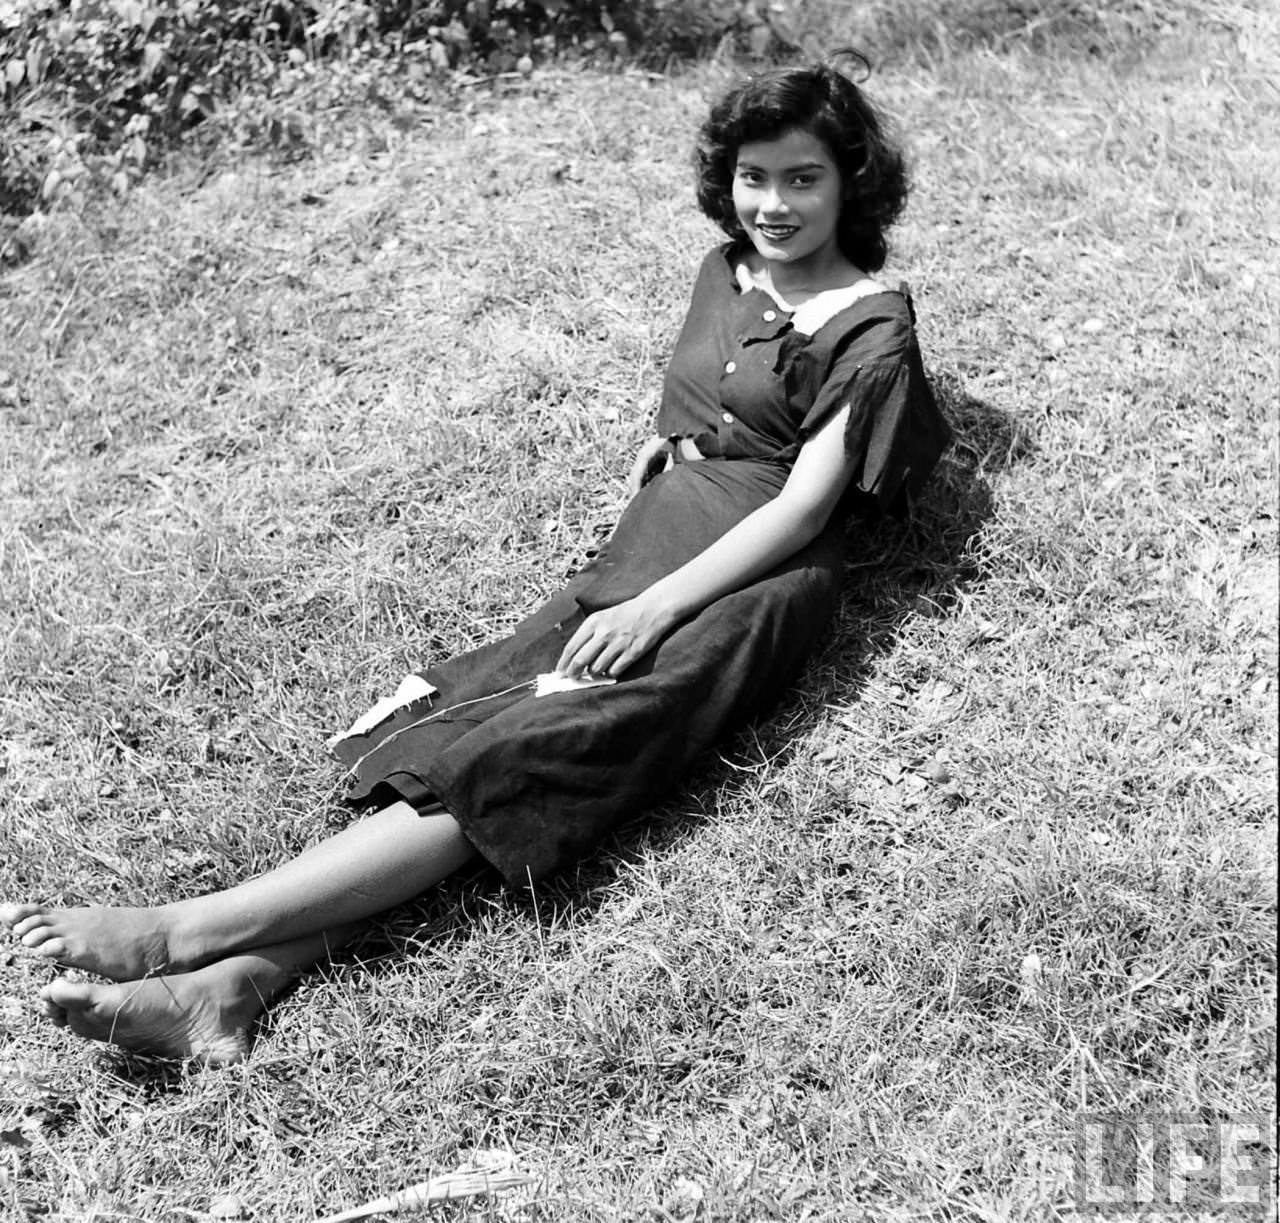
{"type": "Point", "coordinates": [802, 180]}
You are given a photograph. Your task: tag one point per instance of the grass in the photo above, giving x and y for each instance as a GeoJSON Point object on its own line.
{"type": "Point", "coordinates": [275, 433]}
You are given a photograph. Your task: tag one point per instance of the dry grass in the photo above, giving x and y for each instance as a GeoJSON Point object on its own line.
{"type": "Point", "coordinates": [273, 434]}
{"type": "Point", "coordinates": [926, 31]}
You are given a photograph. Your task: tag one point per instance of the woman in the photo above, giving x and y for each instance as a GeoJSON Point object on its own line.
{"type": "Point", "coordinates": [795, 392]}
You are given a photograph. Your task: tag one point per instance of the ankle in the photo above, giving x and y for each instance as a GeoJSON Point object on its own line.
{"type": "Point", "coordinates": [245, 985]}
{"type": "Point", "coordinates": [186, 936]}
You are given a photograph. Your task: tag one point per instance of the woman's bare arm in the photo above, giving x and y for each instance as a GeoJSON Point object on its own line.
{"type": "Point", "coordinates": [609, 641]}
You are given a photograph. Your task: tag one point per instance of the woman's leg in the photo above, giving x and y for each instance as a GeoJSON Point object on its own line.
{"type": "Point", "coordinates": [205, 1014]}
{"type": "Point", "coordinates": [388, 858]}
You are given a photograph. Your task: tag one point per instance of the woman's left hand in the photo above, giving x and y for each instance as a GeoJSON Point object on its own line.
{"type": "Point", "coordinates": [609, 641]}
{"type": "Point", "coordinates": [653, 457]}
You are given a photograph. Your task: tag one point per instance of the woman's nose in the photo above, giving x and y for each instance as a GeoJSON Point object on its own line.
{"type": "Point", "coordinates": [772, 201]}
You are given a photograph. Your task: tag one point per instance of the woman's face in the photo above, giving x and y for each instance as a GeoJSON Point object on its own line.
{"type": "Point", "coordinates": [787, 194]}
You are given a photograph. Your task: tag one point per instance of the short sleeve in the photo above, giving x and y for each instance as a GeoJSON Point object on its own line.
{"type": "Point", "coordinates": [895, 433]}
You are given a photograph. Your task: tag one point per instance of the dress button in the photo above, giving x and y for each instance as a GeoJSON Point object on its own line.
{"type": "Point", "coordinates": [729, 367]}
{"type": "Point", "coordinates": [727, 417]}
{"type": "Point", "coordinates": [769, 315]}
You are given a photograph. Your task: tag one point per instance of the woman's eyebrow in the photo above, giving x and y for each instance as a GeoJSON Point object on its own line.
{"type": "Point", "coordinates": [804, 167]}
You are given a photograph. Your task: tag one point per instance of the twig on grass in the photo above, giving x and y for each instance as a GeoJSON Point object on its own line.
{"type": "Point", "coordinates": [490, 1174]}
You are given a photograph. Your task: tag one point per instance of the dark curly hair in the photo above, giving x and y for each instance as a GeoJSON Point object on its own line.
{"type": "Point", "coordinates": [824, 101]}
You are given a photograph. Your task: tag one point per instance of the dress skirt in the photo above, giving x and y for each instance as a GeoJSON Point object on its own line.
{"type": "Point", "coordinates": [536, 782]}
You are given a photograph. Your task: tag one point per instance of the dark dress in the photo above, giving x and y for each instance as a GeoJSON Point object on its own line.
{"type": "Point", "coordinates": [536, 782]}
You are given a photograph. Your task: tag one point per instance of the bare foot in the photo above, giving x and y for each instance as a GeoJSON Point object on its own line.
{"type": "Point", "coordinates": [119, 944]}
{"type": "Point", "coordinates": [204, 1014]}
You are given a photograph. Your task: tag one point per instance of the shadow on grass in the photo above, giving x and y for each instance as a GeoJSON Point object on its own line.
{"type": "Point", "coordinates": [896, 573]}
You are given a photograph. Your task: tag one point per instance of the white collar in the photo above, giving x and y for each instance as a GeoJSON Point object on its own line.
{"type": "Point", "coordinates": [822, 307]}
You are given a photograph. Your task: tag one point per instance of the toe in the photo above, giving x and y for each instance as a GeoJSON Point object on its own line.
{"type": "Point", "coordinates": [55, 1014]}
{"type": "Point", "coordinates": [11, 915]}
{"type": "Point", "coordinates": [75, 1005]}
{"type": "Point", "coordinates": [67, 995]}
{"type": "Point", "coordinates": [40, 939]}
{"type": "Point", "coordinates": [28, 919]}
{"type": "Point", "coordinates": [53, 1010]}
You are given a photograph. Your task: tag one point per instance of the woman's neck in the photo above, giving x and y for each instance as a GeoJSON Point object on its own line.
{"type": "Point", "coordinates": [793, 284]}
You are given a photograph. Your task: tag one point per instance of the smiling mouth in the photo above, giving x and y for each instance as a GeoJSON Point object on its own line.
{"type": "Point", "coordinates": [777, 233]}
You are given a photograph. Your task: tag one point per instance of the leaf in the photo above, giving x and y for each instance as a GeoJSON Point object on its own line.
{"type": "Point", "coordinates": [228, 1207]}
{"type": "Point", "coordinates": [37, 61]}
{"type": "Point", "coordinates": [758, 39]}
{"type": "Point", "coordinates": [14, 71]}
{"type": "Point", "coordinates": [153, 56]}
{"type": "Point", "coordinates": [984, 631]}
{"type": "Point", "coordinates": [938, 701]}
{"type": "Point", "coordinates": [488, 1172]}
{"type": "Point", "coordinates": [196, 100]}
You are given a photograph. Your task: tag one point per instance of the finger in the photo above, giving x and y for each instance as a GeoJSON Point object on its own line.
{"type": "Point", "coordinates": [605, 662]}
{"type": "Point", "coordinates": [635, 651]}
{"type": "Point", "coordinates": [581, 650]}
{"type": "Point", "coordinates": [571, 647]}
{"type": "Point", "coordinates": [615, 669]}
{"type": "Point", "coordinates": [635, 477]}
{"type": "Point", "coordinates": [580, 636]}
{"type": "Point", "coordinates": [565, 664]}
{"type": "Point", "coordinates": [659, 463]}
{"type": "Point", "coordinates": [574, 666]}
{"type": "Point", "coordinates": [585, 665]}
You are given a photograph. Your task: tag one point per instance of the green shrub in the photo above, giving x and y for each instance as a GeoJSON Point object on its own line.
{"type": "Point", "coordinates": [91, 85]}
{"type": "Point", "coordinates": [92, 88]}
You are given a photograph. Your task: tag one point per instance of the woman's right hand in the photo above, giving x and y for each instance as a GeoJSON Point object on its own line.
{"type": "Point", "coordinates": [652, 460]}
